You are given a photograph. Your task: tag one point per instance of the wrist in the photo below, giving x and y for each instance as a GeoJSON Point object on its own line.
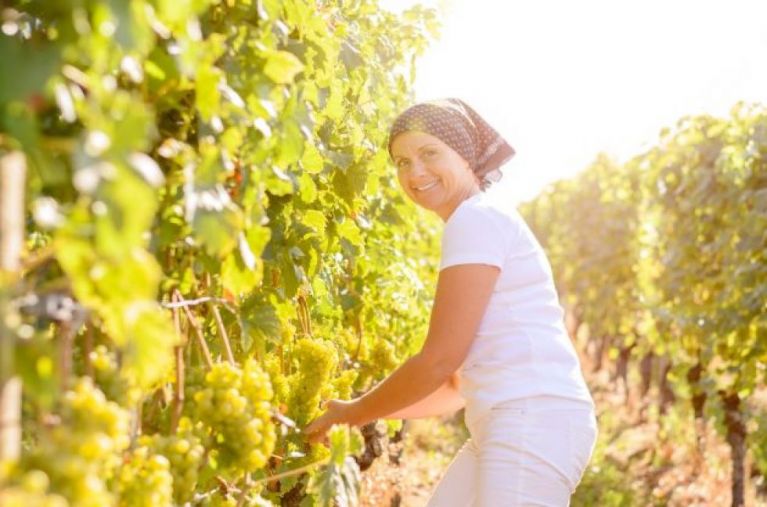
{"type": "Point", "coordinates": [355, 413]}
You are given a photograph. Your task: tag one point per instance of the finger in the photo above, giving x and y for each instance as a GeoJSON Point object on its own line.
{"type": "Point", "coordinates": [319, 438]}
{"type": "Point", "coordinates": [313, 426]}
{"type": "Point", "coordinates": [314, 437]}
{"type": "Point", "coordinates": [311, 429]}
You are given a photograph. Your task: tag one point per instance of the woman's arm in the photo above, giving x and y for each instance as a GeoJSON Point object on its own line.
{"type": "Point", "coordinates": [445, 400]}
{"type": "Point", "coordinates": [463, 292]}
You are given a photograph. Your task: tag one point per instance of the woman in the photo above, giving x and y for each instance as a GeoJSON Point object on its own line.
{"type": "Point", "coordinates": [496, 339]}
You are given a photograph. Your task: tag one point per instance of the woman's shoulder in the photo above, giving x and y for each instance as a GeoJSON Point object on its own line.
{"type": "Point", "coordinates": [482, 220]}
{"type": "Point", "coordinates": [495, 207]}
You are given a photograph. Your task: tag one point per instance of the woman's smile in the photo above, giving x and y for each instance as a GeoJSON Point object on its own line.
{"type": "Point", "coordinates": [427, 186]}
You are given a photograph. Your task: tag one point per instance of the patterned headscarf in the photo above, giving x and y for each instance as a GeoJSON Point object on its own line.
{"type": "Point", "coordinates": [456, 124]}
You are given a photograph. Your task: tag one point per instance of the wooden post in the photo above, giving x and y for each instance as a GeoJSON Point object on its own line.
{"type": "Point", "coordinates": [12, 182]}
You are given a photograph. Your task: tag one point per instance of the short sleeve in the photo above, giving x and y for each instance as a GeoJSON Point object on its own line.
{"type": "Point", "coordinates": [474, 235]}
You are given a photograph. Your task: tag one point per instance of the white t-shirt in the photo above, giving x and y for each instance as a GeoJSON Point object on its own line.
{"type": "Point", "coordinates": [521, 348]}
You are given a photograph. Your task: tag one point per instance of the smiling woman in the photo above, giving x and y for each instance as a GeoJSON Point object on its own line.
{"type": "Point", "coordinates": [496, 341]}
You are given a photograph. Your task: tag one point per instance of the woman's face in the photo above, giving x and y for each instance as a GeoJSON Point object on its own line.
{"type": "Point", "coordinates": [431, 173]}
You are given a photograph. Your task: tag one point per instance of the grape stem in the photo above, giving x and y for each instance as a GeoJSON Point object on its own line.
{"type": "Point", "coordinates": [65, 353]}
{"type": "Point", "coordinates": [303, 314]}
{"type": "Point", "coordinates": [193, 302]}
{"type": "Point", "coordinates": [88, 347]}
{"type": "Point", "coordinates": [358, 329]}
{"type": "Point", "coordinates": [222, 332]}
{"type": "Point", "coordinates": [178, 392]}
{"type": "Point", "coordinates": [289, 473]}
{"type": "Point", "coordinates": [205, 299]}
{"type": "Point", "coordinates": [197, 331]}
{"type": "Point", "coordinates": [246, 485]}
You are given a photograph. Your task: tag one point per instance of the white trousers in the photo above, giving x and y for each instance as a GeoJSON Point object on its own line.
{"type": "Point", "coordinates": [526, 452]}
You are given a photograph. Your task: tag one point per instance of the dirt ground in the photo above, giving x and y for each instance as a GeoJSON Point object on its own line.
{"type": "Point", "coordinates": [426, 451]}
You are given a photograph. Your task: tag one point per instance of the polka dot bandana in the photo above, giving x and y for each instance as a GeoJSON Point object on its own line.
{"type": "Point", "coordinates": [456, 124]}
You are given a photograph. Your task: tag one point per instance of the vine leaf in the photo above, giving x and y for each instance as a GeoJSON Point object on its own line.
{"type": "Point", "coordinates": [282, 66]}
{"type": "Point", "coordinates": [338, 482]}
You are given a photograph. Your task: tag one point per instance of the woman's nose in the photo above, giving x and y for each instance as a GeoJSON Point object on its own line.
{"type": "Point", "coordinates": [418, 168]}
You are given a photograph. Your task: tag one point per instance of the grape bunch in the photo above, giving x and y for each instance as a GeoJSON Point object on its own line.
{"type": "Point", "coordinates": [317, 360]}
{"type": "Point", "coordinates": [234, 406]}
{"type": "Point", "coordinates": [115, 384]}
{"type": "Point", "coordinates": [185, 452]}
{"type": "Point", "coordinates": [343, 384]}
{"type": "Point", "coordinates": [83, 453]}
{"type": "Point", "coordinates": [383, 356]}
{"type": "Point", "coordinates": [144, 480]}
{"type": "Point", "coordinates": [279, 380]}
{"type": "Point", "coordinates": [28, 490]}
{"type": "Point", "coordinates": [377, 361]}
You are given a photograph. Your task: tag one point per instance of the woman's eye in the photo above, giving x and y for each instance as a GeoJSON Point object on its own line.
{"type": "Point", "coordinates": [430, 153]}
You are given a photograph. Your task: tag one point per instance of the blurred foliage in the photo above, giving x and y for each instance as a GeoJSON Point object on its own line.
{"type": "Point", "coordinates": [665, 258]}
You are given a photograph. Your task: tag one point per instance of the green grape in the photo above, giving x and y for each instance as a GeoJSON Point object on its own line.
{"type": "Point", "coordinates": [145, 480]}
{"type": "Point", "coordinates": [342, 385]}
{"type": "Point", "coordinates": [185, 452]}
{"type": "Point", "coordinates": [234, 405]}
{"type": "Point", "coordinates": [102, 360]}
{"type": "Point", "coordinates": [317, 359]}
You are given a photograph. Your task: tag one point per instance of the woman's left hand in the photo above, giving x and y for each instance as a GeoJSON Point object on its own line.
{"type": "Point", "coordinates": [337, 412]}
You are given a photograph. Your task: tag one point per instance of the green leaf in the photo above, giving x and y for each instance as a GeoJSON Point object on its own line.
{"type": "Point", "coordinates": [282, 66]}
{"type": "Point", "coordinates": [207, 96]}
{"type": "Point", "coordinates": [25, 68]}
{"type": "Point", "coordinates": [339, 481]}
{"type": "Point", "coordinates": [149, 341]}
{"type": "Point", "coordinates": [334, 109]}
{"type": "Point", "coordinates": [237, 278]}
{"type": "Point", "coordinates": [350, 183]}
{"type": "Point", "coordinates": [291, 144]}
{"type": "Point", "coordinates": [350, 56]}
{"type": "Point", "coordinates": [217, 230]}
{"type": "Point", "coordinates": [349, 231]}
{"type": "Point", "coordinates": [315, 220]}
{"type": "Point", "coordinates": [260, 320]}
{"type": "Point", "coordinates": [311, 160]}
{"type": "Point", "coordinates": [133, 32]}
{"type": "Point", "coordinates": [278, 182]}
{"type": "Point", "coordinates": [307, 190]}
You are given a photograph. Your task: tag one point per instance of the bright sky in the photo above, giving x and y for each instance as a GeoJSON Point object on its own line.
{"type": "Point", "coordinates": [563, 80]}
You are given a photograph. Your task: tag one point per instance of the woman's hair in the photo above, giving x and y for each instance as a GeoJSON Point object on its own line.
{"type": "Point", "coordinates": [457, 125]}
